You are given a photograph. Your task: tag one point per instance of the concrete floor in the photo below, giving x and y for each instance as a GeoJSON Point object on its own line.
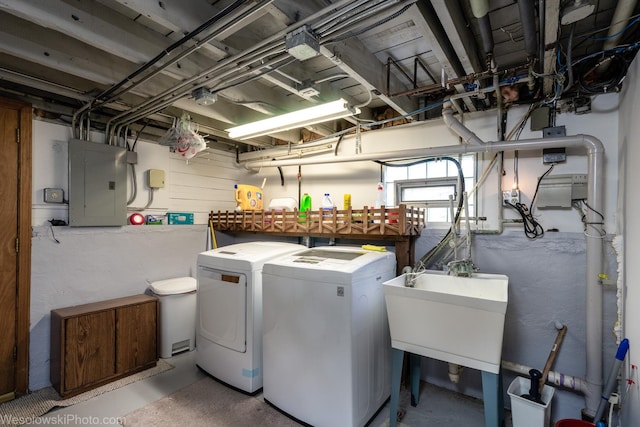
{"type": "Point", "coordinates": [437, 407]}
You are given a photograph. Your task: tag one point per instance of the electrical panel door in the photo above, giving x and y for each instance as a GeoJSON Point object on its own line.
{"type": "Point", "coordinates": [97, 184]}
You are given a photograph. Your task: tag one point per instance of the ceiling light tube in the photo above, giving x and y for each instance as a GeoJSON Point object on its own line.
{"type": "Point", "coordinates": [297, 119]}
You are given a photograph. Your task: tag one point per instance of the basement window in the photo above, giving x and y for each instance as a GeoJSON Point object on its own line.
{"type": "Point", "coordinates": [429, 185]}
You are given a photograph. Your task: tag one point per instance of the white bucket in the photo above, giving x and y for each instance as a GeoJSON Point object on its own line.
{"type": "Point", "coordinates": [526, 413]}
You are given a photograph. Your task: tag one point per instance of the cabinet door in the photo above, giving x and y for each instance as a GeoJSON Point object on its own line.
{"type": "Point", "coordinates": [136, 336]}
{"type": "Point", "coordinates": [89, 355]}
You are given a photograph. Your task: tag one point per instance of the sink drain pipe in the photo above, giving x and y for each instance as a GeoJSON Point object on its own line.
{"type": "Point", "coordinates": [565, 381]}
{"type": "Point", "coordinates": [593, 309]}
{"type": "Point", "coordinates": [595, 177]}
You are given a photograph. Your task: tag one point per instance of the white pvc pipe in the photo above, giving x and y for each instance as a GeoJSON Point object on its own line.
{"type": "Point", "coordinates": [455, 125]}
{"type": "Point", "coordinates": [623, 11]}
{"type": "Point", "coordinates": [557, 378]}
{"type": "Point", "coordinates": [595, 177]}
{"type": "Point", "coordinates": [593, 308]}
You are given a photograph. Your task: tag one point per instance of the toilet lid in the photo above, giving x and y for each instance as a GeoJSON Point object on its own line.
{"type": "Point", "coordinates": [179, 285]}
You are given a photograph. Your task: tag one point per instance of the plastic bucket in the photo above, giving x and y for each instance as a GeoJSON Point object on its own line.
{"type": "Point", "coordinates": [524, 412]}
{"type": "Point", "coordinates": [573, 423]}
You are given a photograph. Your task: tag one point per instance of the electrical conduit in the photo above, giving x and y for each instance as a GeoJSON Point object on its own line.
{"type": "Point", "coordinates": [595, 153]}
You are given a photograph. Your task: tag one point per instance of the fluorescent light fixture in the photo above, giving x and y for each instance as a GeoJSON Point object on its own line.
{"type": "Point", "coordinates": [297, 119]}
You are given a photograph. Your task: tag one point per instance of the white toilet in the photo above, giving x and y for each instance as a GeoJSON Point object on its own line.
{"type": "Point", "coordinates": [177, 314]}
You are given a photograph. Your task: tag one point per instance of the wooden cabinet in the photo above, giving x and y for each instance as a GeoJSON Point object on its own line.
{"type": "Point", "coordinates": [93, 344]}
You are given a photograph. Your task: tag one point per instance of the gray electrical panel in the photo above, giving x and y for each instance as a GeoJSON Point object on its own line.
{"type": "Point", "coordinates": [559, 191]}
{"type": "Point", "coordinates": [97, 184]}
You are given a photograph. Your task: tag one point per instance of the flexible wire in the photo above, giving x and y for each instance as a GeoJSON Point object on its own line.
{"type": "Point", "coordinates": [423, 263]}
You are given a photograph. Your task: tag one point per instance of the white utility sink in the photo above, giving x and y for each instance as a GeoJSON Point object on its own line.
{"type": "Point", "coordinates": [449, 318]}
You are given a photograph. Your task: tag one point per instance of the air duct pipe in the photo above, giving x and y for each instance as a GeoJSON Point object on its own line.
{"type": "Point", "coordinates": [624, 9]}
{"type": "Point", "coordinates": [480, 9]}
{"type": "Point", "coordinates": [528, 20]}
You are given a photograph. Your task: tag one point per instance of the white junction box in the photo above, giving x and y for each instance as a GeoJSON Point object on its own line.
{"type": "Point", "coordinates": [155, 178]}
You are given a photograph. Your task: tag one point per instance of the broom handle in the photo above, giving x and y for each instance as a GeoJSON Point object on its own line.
{"type": "Point", "coordinates": [552, 355]}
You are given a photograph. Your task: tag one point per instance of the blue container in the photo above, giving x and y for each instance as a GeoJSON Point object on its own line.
{"type": "Point", "coordinates": [179, 218]}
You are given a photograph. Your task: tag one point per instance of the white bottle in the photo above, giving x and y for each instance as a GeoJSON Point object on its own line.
{"type": "Point", "coordinates": [380, 198]}
{"type": "Point", "coordinates": [327, 203]}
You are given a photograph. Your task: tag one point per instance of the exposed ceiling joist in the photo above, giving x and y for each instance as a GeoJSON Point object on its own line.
{"type": "Point", "coordinates": [461, 38]}
{"type": "Point", "coordinates": [441, 47]}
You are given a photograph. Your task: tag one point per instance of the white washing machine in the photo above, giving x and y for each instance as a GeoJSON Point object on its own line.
{"type": "Point", "coordinates": [326, 344]}
{"type": "Point", "coordinates": [229, 311]}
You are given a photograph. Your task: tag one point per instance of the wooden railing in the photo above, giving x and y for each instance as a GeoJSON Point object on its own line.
{"type": "Point", "coordinates": [399, 221]}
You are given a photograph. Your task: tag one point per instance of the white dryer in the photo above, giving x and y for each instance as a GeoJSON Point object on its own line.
{"type": "Point", "coordinates": [229, 311]}
{"type": "Point", "coordinates": [326, 343]}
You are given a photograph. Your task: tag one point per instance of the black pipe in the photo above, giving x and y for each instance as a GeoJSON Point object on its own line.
{"type": "Point", "coordinates": [541, 27]}
{"type": "Point", "coordinates": [486, 34]}
{"type": "Point", "coordinates": [528, 20]}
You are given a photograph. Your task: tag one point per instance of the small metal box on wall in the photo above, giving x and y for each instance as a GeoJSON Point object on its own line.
{"type": "Point", "coordinates": [97, 184]}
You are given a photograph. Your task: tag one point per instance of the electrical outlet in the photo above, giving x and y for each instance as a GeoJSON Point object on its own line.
{"type": "Point", "coordinates": [511, 196]}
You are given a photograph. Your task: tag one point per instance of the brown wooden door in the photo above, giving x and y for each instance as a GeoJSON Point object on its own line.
{"type": "Point", "coordinates": [15, 245]}
{"type": "Point", "coordinates": [89, 350]}
{"type": "Point", "coordinates": [8, 254]}
{"type": "Point", "coordinates": [136, 336]}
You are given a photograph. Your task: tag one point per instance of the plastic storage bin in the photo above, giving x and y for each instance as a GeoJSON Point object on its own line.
{"type": "Point", "coordinates": [177, 314]}
{"type": "Point", "coordinates": [524, 412]}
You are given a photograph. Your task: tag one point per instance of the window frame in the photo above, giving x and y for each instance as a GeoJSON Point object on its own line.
{"type": "Point", "coordinates": [468, 174]}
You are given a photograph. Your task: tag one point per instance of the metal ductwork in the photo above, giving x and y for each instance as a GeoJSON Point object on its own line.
{"type": "Point", "coordinates": [528, 20]}
{"type": "Point", "coordinates": [480, 9]}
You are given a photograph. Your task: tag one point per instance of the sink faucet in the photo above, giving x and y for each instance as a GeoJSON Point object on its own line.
{"type": "Point", "coordinates": [461, 268]}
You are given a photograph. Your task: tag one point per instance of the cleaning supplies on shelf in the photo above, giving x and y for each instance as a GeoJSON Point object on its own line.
{"type": "Point", "coordinates": [327, 206]}
{"type": "Point", "coordinates": [248, 197]}
{"type": "Point", "coordinates": [282, 203]}
{"type": "Point", "coordinates": [347, 201]}
{"type": "Point", "coordinates": [327, 203]}
{"type": "Point", "coordinates": [380, 197]}
{"type": "Point", "coordinates": [305, 203]}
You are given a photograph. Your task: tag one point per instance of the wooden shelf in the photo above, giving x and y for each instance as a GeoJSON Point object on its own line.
{"type": "Point", "coordinates": [402, 225]}
{"type": "Point", "coordinates": [400, 222]}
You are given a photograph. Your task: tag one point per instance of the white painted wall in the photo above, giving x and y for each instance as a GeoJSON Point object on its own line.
{"type": "Point", "coordinates": [360, 178]}
{"type": "Point", "coordinates": [97, 263]}
{"type": "Point", "coordinates": [629, 225]}
{"type": "Point", "coordinates": [198, 185]}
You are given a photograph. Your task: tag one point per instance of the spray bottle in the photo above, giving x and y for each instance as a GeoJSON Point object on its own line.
{"type": "Point", "coordinates": [380, 197]}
